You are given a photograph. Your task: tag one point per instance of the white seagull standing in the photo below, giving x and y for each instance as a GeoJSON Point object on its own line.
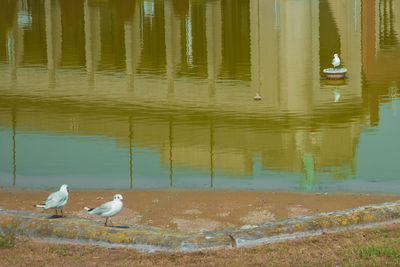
{"type": "Point", "coordinates": [108, 209]}
{"type": "Point", "coordinates": [335, 60]}
{"type": "Point", "coordinates": [56, 200]}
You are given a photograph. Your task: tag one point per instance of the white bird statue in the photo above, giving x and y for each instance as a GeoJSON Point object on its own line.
{"type": "Point", "coordinates": [335, 60]}
{"type": "Point", "coordinates": [56, 200]}
{"type": "Point", "coordinates": [108, 209]}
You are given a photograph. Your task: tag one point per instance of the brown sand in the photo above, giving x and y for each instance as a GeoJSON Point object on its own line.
{"type": "Point", "coordinates": [196, 210]}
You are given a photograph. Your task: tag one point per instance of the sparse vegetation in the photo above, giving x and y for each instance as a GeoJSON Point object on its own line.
{"type": "Point", "coordinates": [379, 246]}
{"type": "Point", "coordinates": [7, 240]}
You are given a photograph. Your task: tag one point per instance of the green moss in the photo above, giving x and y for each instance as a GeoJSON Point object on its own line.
{"type": "Point", "coordinates": [7, 240]}
{"type": "Point", "coordinates": [372, 251]}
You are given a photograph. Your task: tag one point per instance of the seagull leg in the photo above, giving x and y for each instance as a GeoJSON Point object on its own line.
{"type": "Point", "coordinates": [105, 224]}
{"type": "Point", "coordinates": [56, 213]}
{"type": "Point", "coordinates": [62, 214]}
{"type": "Point", "coordinates": [111, 222]}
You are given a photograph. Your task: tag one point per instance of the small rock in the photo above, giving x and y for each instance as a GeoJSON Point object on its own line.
{"type": "Point", "coordinates": [100, 198]}
{"type": "Point", "coordinates": [248, 226]}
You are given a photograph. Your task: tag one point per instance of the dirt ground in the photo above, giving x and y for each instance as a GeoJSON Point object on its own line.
{"type": "Point", "coordinates": [195, 210]}
{"type": "Point", "coordinates": [379, 246]}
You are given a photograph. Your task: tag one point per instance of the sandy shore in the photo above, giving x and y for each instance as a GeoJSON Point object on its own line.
{"type": "Point", "coordinates": [196, 210]}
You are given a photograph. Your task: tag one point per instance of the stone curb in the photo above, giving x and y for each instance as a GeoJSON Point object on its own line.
{"type": "Point", "coordinates": [150, 239]}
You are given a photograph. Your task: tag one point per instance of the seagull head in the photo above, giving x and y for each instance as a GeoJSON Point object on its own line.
{"type": "Point", "coordinates": [64, 187]}
{"type": "Point", "coordinates": [335, 55]}
{"type": "Point", "coordinates": [118, 197]}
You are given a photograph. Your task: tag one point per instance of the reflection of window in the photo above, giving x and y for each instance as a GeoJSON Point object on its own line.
{"type": "Point", "coordinates": [148, 8]}
{"type": "Point", "coordinates": [387, 31]}
{"type": "Point", "coordinates": [24, 19]}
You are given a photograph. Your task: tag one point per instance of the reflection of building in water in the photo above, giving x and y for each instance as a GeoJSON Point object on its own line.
{"type": "Point", "coordinates": [170, 56]}
{"type": "Point", "coordinates": [381, 51]}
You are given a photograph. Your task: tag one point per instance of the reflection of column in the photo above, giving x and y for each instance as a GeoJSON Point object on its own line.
{"type": "Point", "coordinates": [213, 35]}
{"type": "Point", "coordinates": [130, 153]}
{"type": "Point", "coordinates": [92, 39]}
{"type": "Point", "coordinates": [53, 37]}
{"type": "Point", "coordinates": [15, 48]}
{"type": "Point", "coordinates": [170, 153]}
{"type": "Point", "coordinates": [14, 122]}
{"type": "Point", "coordinates": [309, 172]}
{"type": "Point", "coordinates": [264, 51]}
{"type": "Point", "coordinates": [132, 46]}
{"type": "Point", "coordinates": [212, 153]}
{"type": "Point", "coordinates": [295, 54]}
{"type": "Point", "coordinates": [172, 43]}
{"type": "Point", "coordinates": [344, 13]}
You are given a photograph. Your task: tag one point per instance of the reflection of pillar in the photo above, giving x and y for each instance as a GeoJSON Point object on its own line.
{"type": "Point", "coordinates": [170, 153]}
{"type": "Point", "coordinates": [344, 13]}
{"type": "Point", "coordinates": [14, 121]}
{"type": "Point", "coordinates": [172, 43]}
{"type": "Point", "coordinates": [130, 153]}
{"type": "Point", "coordinates": [53, 37]}
{"type": "Point", "coordinates": [132, 46]}
{"type": "Point", "coordinates": [15, 48]}
{"type": "Point", "coordinates": [212, 153]}
{"type": "Point", "coordinates": [92, 39]}
{"type": "Point", "coordinates": [309, 171]}
{"type": "Point", "coordinates": [296, 55]}
{"type": "Point", "coordinates": [264, 52]}
{"type": "Point", "coordinates": [213, 35]}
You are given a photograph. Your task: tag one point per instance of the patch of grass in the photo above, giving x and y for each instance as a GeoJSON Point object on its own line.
{"type": "Point", "coordinates": [61, 251]}
{"type": "Point", "coordinates": [372, 251]}
{"type": "Point", "coordinates": [7, 240]}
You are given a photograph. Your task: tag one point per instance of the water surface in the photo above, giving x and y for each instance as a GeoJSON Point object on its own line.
{"type": "Point", "coordinates": [158, 94]}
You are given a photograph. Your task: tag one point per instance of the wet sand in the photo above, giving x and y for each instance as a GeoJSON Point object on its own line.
{"type": "Point", "coordinates": [195, 210]}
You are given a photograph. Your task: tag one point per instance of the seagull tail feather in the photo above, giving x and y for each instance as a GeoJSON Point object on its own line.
{"type": "Point", "coordinates": [88, 209]}
{"type": "Point", "coordinates": [40, 206]}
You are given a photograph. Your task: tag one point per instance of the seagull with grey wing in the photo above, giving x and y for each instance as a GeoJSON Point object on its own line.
{"type": "Point", "coordinates": [335, 60]}
{"type": "Point", "coordinates": [108, 209]}
{"type": "Point", "coordinates": [56, 200]}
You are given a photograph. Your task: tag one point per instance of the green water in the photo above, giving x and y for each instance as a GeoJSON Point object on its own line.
{"type": "Point", "coordinates": [159, 94]}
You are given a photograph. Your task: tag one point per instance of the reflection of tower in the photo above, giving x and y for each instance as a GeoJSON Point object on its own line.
{"type": "Point", "coordinates": [213, 35]}
{"type": "Point", "coordinates": [132, 46]}
{"type": "Point", "coordinates": [92, 39]}
{"type": "Point", "coordinates": [53, 37]}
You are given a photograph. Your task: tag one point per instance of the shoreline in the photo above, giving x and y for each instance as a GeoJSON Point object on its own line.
{"type": "Point", "coordinates": [195, 210]}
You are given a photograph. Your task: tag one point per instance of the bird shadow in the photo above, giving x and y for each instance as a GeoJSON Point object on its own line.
{"type": "Point", "coordinates": [121, 226]}
{"type": "Point", "coordinates": [55, 217]}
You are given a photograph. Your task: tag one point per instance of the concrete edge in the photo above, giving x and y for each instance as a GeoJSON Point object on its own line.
{"type": "Point", "coordinates": [151, 239]}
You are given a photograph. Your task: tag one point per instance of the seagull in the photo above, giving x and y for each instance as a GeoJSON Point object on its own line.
{"type": "Point", "coordinates": [108, 209]}
{"type": "Point", "coordinates": [335, 60]}
{"type": "Point", "coordinates": [257, 97]}
{"type": "Point", "coordinates": [56, 200]}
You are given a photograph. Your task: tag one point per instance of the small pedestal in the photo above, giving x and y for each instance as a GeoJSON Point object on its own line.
{"type": "Point", "coordinates": [335, 73]}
